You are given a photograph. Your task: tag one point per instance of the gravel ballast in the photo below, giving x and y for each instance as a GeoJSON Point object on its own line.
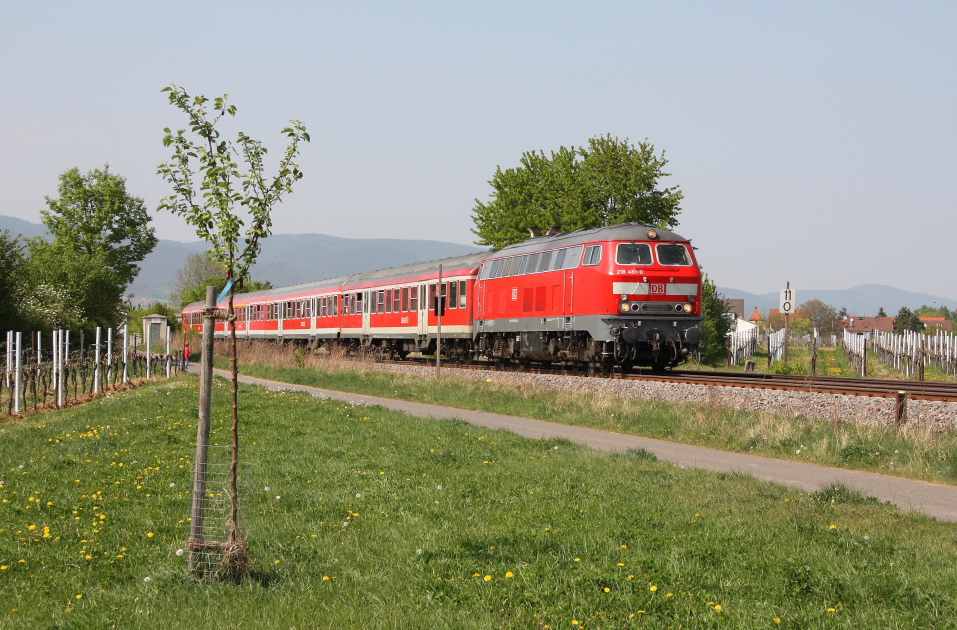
{"type": "Point", "coordinates": [870, 410]}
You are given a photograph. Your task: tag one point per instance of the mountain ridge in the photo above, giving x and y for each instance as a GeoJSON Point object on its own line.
{"type": "Point", "coordinates": [288, 259]}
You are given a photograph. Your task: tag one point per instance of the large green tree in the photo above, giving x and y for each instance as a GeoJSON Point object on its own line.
{"type": "Point", "coordinates": [907, 320]}
{"type": "Point", "coordinates": [66, 288]}
{"type": "Point", "coordinates": [95, 216]}
{"type": "Point", "coordinates": [610, 181]}
{"type": "Point", "coordinates": [716, 324]}
{"type": "Point", "coordinates": [11, 281]}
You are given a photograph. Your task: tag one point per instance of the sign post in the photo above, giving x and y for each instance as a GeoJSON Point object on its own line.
{"type": "Point", "coordinates": [788, 300]}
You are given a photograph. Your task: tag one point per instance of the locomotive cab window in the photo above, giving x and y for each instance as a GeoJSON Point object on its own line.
{"type": "Point", "coordinates": [673, 255]}
{"type": "Point", "coordinates": [633, 254]}
{"type": "Point", "coordinates": [592, 255]}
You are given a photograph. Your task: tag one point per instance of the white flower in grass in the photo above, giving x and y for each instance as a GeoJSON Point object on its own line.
{"type": "Point", "coordinates": [179, 552]}
{"type": "Point", "coordinates": [147, 580]}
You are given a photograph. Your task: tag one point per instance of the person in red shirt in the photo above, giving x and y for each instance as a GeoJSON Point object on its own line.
{"type": "Point", "coordinates": [186, 357]}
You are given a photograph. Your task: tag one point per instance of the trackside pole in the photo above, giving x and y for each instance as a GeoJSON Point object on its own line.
{"type": "Point", "coordinates": [109, 354]}
{"type": "Point", "coordinates": [438, 322]}
{"type": "Point", "coordinates": [202, 432]}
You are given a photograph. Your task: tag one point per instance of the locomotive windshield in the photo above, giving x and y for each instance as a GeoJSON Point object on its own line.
{"type": "Point", "coordinates": [633, 254]}
{"type": "Point", "coordinates": [673, 255]}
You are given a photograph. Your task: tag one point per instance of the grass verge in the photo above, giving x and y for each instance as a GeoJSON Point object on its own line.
{"type": "Point", "coordinates": [906, 451]}
{"type": "Point", "coordinates": [360, 517]}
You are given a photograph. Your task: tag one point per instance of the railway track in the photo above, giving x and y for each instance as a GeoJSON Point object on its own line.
{"type": "Point", "coordinates": [881, 388]}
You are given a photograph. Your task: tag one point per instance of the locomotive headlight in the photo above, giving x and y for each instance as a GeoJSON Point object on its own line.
{"type": "Point", "coordinates": [625, 307]}
{"type": "Point", "coordinates": [687, 308]}
{"type": "Point", "coordinates": [652, 234]}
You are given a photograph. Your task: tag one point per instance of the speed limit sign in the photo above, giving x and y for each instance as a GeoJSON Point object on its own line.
{"type": "Point", "coordinates": [788, 300]}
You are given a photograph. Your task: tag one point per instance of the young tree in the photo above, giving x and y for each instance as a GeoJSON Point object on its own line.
{"type": "Point", "coordinates": [209, 188]}
{"type": "Point", "coordinates": [610, 181]}
{"type": "Point", "coordinates": [192, 274]}
{"type": "Point", "coordinates": [822, 316]}
{"type": "Point", "coordinates": [95, 216]}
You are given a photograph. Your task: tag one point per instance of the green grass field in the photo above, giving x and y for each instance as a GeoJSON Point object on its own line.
{"type": "Point", "coordinates": [366, 518]}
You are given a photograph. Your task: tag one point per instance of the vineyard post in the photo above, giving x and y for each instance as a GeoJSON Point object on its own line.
{"type": "Point", "coordinates": [9, 356]}
{"type": "Point", "coordinates": [39, 347]}
{"type": "Point", "coordinates": [169, 361]}
{"type": "Point", "coordinates": [109, 354]}
{"type": "Point", "coordinates": [126, 353]}
{"type": "Point", "coordinates": [202, 430]}
{"type": "Point", "coordinates": [17, 380]}
{"type": "Point", "coordinates": [149, 350]}
{"type": "Point", "coordinates": [864, 358]}
{"type": "Point", "coordinates": [96, 364]}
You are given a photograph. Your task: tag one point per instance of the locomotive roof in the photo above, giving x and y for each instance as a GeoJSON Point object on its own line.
{"type": "Point", "coordinates": [619, 232]}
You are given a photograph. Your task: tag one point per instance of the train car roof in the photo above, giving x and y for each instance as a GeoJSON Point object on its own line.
{"type": "Point", "coordinates": [469, 261]}
{"type": "Point", "coordinates": [620, 232]}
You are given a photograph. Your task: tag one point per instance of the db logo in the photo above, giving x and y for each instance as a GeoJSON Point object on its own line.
{"type": "Point", "coordinates": [657, 289]}
{"type": "Point", "coordinates": [514, 293]}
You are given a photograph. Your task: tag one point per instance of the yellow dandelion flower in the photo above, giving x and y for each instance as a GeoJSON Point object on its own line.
{"type": "Point", "coordinates": [149, 535]}
{"type": "Point", "coordinates": [607, 590]}
{"type": "Point", "coordinates": [488, 578]}
{"type": "Point", "coordinates": [833, 527]}
{"type": "Point", "coordinates": [509, 574]}
{"type": "Point", "coordinates": [718, 607]}
{"type": "Point", "coordinates": [325, 578]}
{"type": "Point", "coordinates": [653, 588]}
{"type": "Point", "coordinates": [777, 620]}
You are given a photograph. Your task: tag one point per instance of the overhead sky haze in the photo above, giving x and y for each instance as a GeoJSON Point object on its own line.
{"type": "Point", "coordinates": [814, 142]}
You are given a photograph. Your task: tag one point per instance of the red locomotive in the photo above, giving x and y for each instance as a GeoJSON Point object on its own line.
{"type": "Point", "coordinates": [626, 295]}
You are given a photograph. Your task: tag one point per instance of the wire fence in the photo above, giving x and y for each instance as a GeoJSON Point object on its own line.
{"type": "Point", "coordinates": [741, 345]}
{"type": "Point", "coordinates": [908, 352]}
{"type": "Point", "coordinates": [36, 376]}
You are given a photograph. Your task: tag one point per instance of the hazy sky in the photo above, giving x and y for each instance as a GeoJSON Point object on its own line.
{"type": "Point", "coordinates": [814, 141]}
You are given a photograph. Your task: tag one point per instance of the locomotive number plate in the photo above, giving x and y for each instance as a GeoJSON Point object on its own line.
{"type": "Point", "coordinates": [657, 289]}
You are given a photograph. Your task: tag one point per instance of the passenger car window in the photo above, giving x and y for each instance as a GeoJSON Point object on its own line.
{"type": "Point", "coordinates": [633, 254]}
{"type": "Point", "coordinates": [673, 255]}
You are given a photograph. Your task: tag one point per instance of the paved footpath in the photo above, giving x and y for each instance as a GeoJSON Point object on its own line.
{"type": "Point", "coordinates": [936, 500]}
